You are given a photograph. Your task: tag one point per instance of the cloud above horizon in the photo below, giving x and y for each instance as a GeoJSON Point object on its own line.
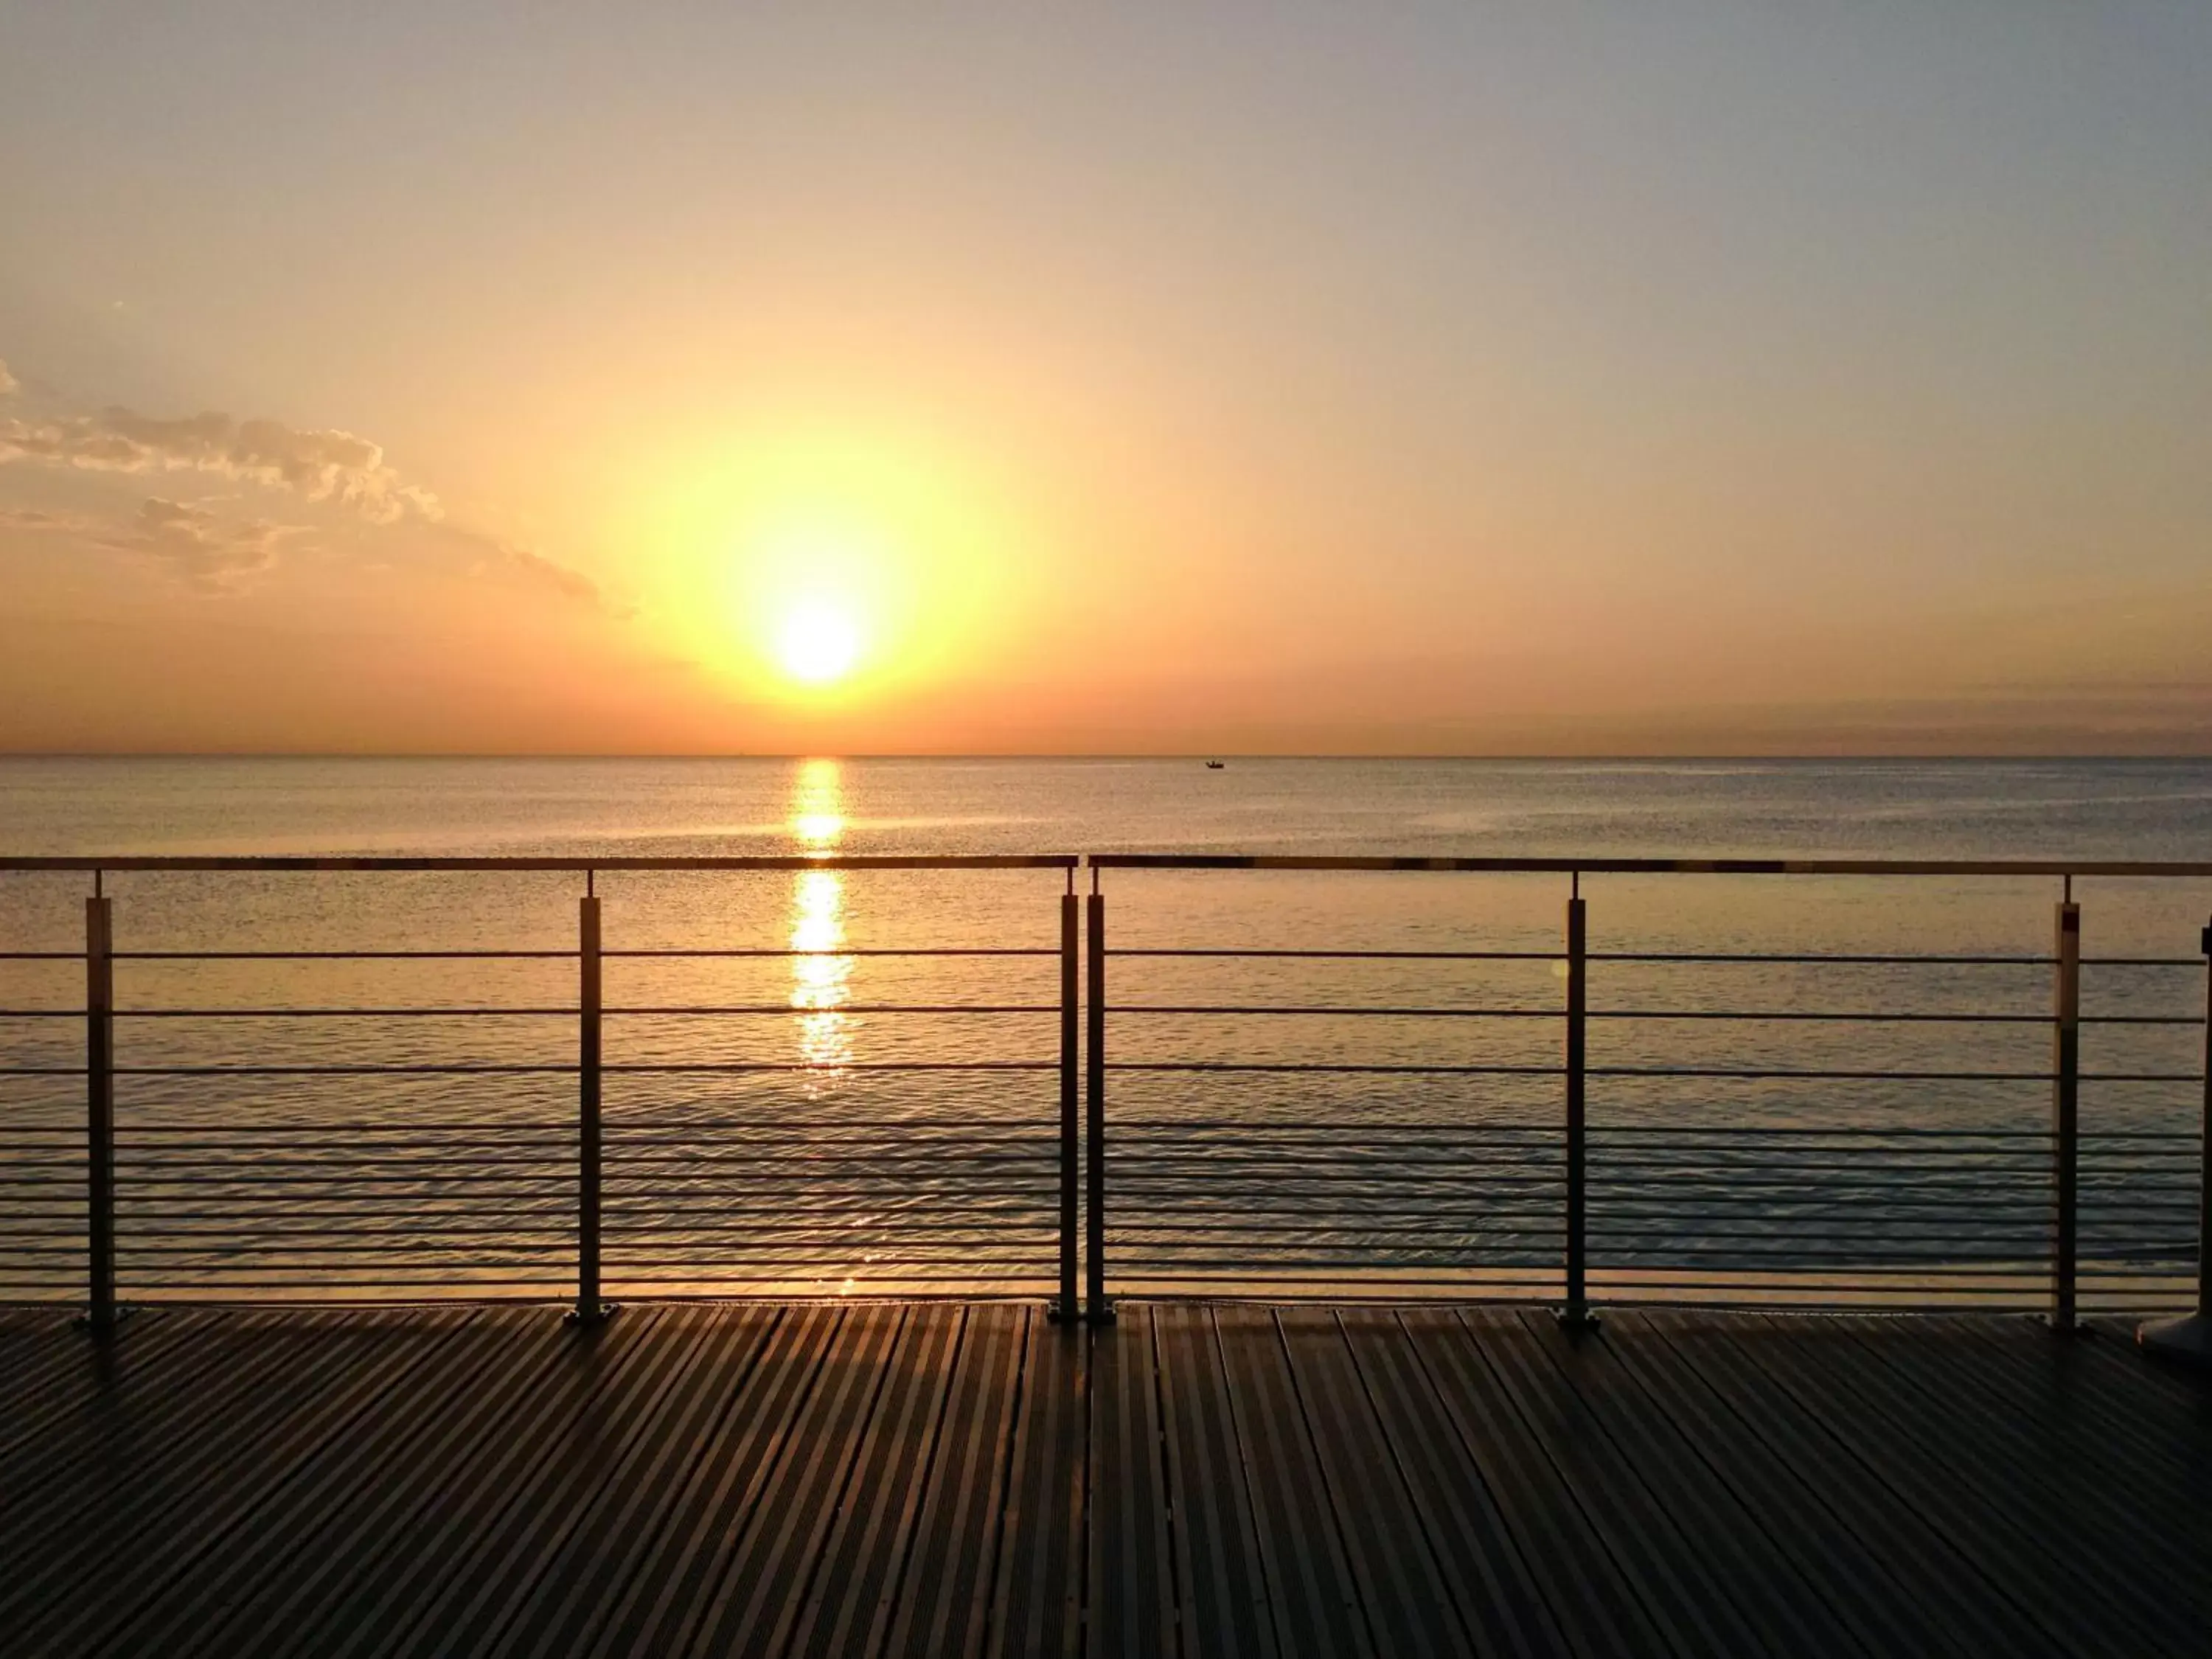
{"type": "Point", "coordinates": [325, 466]}
{"type": "Point", "coordinates": [8, 382]}
{"type": "Point", "coordinates": [208, 551]}
{"type": "Point", "coordinates": [199, 545]}
{"type": "Point", "coordinates": [494, 555]}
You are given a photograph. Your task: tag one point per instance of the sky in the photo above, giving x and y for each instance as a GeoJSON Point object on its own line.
{"type": "Point", "coordinates": [1428, 378]}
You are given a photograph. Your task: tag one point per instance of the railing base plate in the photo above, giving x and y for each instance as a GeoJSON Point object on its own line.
{"type": "Point", "coordinates": [1100, 1312]}
{"type": "Point", "coordinates": [1062, 1313]}
{"type": "Point", "coordinates": [2186, 1341]}
{"type": "Point", "coordinates": [99, 1325]}
{"type": "Point", "coordinates": [1571, 1320]}
{"type": "Point", "coordinates": [586, 1318]}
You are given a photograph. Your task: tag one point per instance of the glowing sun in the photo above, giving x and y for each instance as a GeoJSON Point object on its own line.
{"type": "Point", "coordinates": [818, 644]}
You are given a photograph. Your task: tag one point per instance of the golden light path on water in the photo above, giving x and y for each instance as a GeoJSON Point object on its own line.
{"type": "Point", "coordinates": [820, 983]}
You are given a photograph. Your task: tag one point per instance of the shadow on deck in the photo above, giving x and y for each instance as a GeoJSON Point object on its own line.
{"type": "Point", "coordinates": [1204, 1478]}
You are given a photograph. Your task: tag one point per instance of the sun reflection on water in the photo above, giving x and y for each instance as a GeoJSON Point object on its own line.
{"type": "Point", "coordinates": [820, 981]}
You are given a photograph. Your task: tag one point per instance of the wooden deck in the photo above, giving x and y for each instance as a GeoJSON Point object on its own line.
{"type": "Point", "coordinates": [1224, 1478]}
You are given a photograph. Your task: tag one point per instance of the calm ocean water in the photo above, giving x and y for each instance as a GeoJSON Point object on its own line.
{"type": "Point", "coordinates": [756, 1111]}
{"type": "Point", "coordinates": [1994, 809]}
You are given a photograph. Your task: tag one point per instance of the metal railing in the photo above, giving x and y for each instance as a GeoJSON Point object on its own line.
{"type": "Point", "coordinates": [1579, 1154]}
{"type": "Point", "coordinates": [1599, 1158]}
{"type": "Point", "coordinates": [399, 1176]}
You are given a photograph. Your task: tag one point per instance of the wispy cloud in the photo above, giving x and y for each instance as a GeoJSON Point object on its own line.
{"type": "Point", "coordinates": [320, 465]}
{"type": "Point", "coordinates": [35, 518]}
{"type": "Point", "coordinates": [496, 555]}
{"type": "Point", "coordinates": [8, 382]}
{"type": "Point", "coordinates": [340, 469]}
{"type": "Point", "coordinates": [193, 543]}
{"type": "Point", "coordinates": [205, 550]}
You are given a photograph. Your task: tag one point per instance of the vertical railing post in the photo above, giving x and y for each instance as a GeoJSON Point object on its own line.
{"type": "Point", "coordinates": [2190, 1338]}
{"type": "Point", "coordinates": [1067, 1307]}
{"type": "Point", "coordinates": [1097, 1306]}
{"type": "Point", "coordinates": [1576, 1312]}
{"type": "Point", "coordinates": [2066, 1113]}
{"type": "Point", "coordinates": [100, 1109]}
{"type": "Point", "coordinates": [2204, 1156]}
{"type": "Point", "coordinates": [589, 1308]}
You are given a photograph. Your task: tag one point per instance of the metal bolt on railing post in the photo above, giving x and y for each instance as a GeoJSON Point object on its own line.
{"type": "Point", "coordinates": [2066, 1115]}
{"type": "Point", "coordinates": [2189, 1339]}
{"type": "Point", "coordinates": [1067, 1308]}
{"type": "Point", "coordinates": [1097, 1307]}
{"type": "Point", "coordinates": [100, 1111]}
{"type": "Point", "coordinates": [589, 1308]}
{"type": "Point", "coordinates": [1576, 1312]}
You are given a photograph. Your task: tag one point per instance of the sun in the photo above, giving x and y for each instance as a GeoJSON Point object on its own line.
{"type": "Point", "coordinates": [818, 644]}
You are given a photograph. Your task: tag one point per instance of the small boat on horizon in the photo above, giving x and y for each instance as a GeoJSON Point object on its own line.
{"type": "Point", "coordinates": [1215, 766]}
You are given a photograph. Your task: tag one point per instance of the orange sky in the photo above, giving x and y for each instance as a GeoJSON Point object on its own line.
{"type": "Point", "coordinates": [1284, 379]}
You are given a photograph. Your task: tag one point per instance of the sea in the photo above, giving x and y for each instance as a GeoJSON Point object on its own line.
{"type": "Point", "coordinates": [838, 1081]}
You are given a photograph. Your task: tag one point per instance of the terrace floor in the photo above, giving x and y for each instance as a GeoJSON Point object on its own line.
{"type": "Point", "coordinates": [1224, 1477]}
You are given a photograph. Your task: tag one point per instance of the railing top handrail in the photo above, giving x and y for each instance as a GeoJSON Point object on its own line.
{"type": "Point", "coordinates": [120, 862]}
{"type": "Point", "coordinates": [1650, 866]}
{"type": "Point", "coordinates": [111, 864]}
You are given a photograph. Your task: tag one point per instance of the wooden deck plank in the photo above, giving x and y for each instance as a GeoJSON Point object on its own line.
{"type": "Point", "coordinates": [647, 1585]}
{"type": "Point", "coordinates": [1599, 1575]}
{"type": "Point", "coordinates": [59, 1425]}
{"type": "Point", "coordinates": [2156, 1394]}
{"type": "Point", "coordinates": [62, 1413]}
{"type": "Point", "coordinates": [2109, 1402]}
{"type": "Point", "coordinates": [1227, 1607]}
{"type": "Point", "coordinates": [945, 1605]}
{"type": "Point", "coordinates": [291, 1564]}
{"type": "Point", "coordinates": [35, 1343]}
{"type": "Point", "coordinates": [1406, 1600]}
{"type": "Point", "coordinates": [272, 1518]}
{"type": "Point", "coordinates": [1912, 1592]}
{"type": "Point", "coordinates": [1196, 1480]}
{"type": "Point", "coordinates": [853, 1599]}
{"type": "Point", "coordinates": [172, 1512]}
{"type": "Point", "coordinates": [2061, 1484]}
{"type": "Point", "coordinates": [760, 1597]}
{"type": "Point", "coordinates": [516, 1507]}
{"type": "Point", "coordinates": [152, 1452]}
{"type": "Point", "coordinates": [2157, 1389]}
{"type": "Point", "coordinates": [1932, 1461]}
{"type": "Point", "coordinates": [1317, 1604]}
{"type": "Point", "coordinates": [615, 1490]}
{"type": "Point", "coordinates": [32, 1320]}
{"type": "Point", "coordinates": [2039, 1375]}
{"type": "Point", "coordinates": [1853, 1460]}
{"type": "Point", "coordinates": [2181, 1383]}
{"type": "Point", "coordinates": [2020, 1430]}
{"type": "Point", "coordinates": [74, 1373]}
{"type": "Point", "coordinates": [1036, 1592]}
{"type": "Point", "coordinates": [460, 1516]}
{"type": "Point", "coordinates": [1461, 1518]}
{"type": "Point", "coordinates": [1797, 1576]}
{"type": "Point", "coordinates": [1132, 1571]}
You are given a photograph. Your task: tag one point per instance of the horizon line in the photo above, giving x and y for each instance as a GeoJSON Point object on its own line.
{"type": "Point", "coordinates": [1607, 757]}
